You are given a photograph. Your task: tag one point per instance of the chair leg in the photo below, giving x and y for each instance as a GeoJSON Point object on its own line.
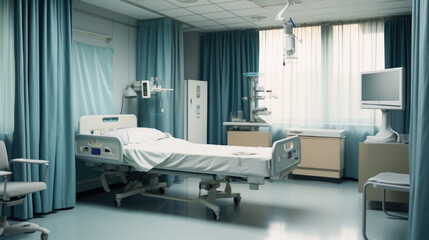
{"type": "Point", "coordinates": [24, 227]}
{"type": "Point", "coordinates": [364, 212]}
{"type": "Point", "coordinates": [392, 215]}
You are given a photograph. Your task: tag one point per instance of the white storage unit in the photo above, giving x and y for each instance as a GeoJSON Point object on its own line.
{"type": "Point", "coordinates": [322, 152]}
{"type": "Point", "coordinates": [196, 111]}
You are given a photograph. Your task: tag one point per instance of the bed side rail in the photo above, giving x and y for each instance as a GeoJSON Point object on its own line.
{"type": "Point", "coordinates": [98, 148]}
{"type": "Point", "coordinates": [286, 156]}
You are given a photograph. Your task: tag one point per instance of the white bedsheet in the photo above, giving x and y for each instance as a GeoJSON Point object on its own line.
{"type": "Point", "coordinates": [179, 155]}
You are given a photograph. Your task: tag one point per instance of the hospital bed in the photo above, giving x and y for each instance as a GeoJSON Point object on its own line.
{"type": "Point", "coordinates": [114, 145]}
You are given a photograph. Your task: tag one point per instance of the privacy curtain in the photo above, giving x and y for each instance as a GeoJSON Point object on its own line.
{"type": "Point", "coordinates": [43, 102]}
{"type": "Point", "coordinates": [397, 45]}
{"type": "Point", "coordinates": [320, 89]}
{"type": "Point", "coordinates": [160, 55]}
{"type": "Point", "coordinates": [225, 57]}
{"type": "Point", "coordinates": [7, 71]}
{"type": "Point", "coordinates": [419, 125]}
{"type": "Point", "coordinates": [92, 74]}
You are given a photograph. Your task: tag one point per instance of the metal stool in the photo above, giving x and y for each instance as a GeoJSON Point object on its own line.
{"type": "Point", "coordinates": [385, 181]}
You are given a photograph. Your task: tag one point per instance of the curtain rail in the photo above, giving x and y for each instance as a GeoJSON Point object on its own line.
{"type": "Point", "coordinates": [92, 35]}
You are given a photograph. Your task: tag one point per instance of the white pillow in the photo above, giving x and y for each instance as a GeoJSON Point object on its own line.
{"type": "Point", "coordinates": [141, 135]}
{"type": "Point", "coordinates": [121, 134]}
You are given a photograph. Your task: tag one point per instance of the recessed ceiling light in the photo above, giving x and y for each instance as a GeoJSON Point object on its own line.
{"type": "Point", "coordinates": [187, 1]}
{"type": "Point", "coordinates": [257, 18]}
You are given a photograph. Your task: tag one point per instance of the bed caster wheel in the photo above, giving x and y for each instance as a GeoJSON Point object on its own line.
{"type": "Point", "coordinates": [44, 236]}
{"type": "Point", "coordinates": [216, 215]}
{"type": "Point", "coordinates": [237, 201]}
{"type": "Point", "coordinates": [117, 203]}
{"type": "Point", "coordinates": [162, 190]}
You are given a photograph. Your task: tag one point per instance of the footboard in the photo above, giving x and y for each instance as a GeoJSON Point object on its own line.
{"type": "Point", "coordinates": [286, 156]}
{"type": "Point", "coordinates": [98, 148]}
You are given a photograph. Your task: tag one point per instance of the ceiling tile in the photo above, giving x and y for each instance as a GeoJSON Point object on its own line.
{"type": "Point", "coordinates": [205, 9]}
{"type": "Point", "coordinates": [267, 3]}
{"type": "Point", "coordinates": [363, 8]}
{"type": "Point", "coordinates": [360, 2]}
{"type": "Point", "coordinates": [230, 20]}
{"type": "Point", "coordinates": [186, 5]}
{"type": "Point", "coordinates": [192, 18]}
{"type": "Point", "coordinates": [324, 11]}
{"type": "Point", "coordinates": [390, 5]}
{"type": "Point", "coordinates": [368, 13]}
{"type": "Point", "coordinates": [155, 5]}
{"type": "Point", "coordinates": [256, 21]}
{"type": "Point", "coordinates": [204, 23]}
{"type": "Point", "coordinates": [222, 1]}
{"type": "Point", "coordinates": [218, 15]}
{"type": "Point", "coordinates": [178, 12]}
{"type": "Point", "coordinates": [249, 12]}
{"type": "Point", "coordinates": [241, 25]}
{"type": "Point", "coordinates": [398, 11]}
{"type": "Point", "coordinates": [278, 8]}
{"type": "Point", "coordinates": [243, 4]}
{"type": "Point", "coordinates": [320, 4]}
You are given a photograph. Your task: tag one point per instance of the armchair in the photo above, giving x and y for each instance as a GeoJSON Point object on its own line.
{"type": "Point", "coordinates": [13, 193]}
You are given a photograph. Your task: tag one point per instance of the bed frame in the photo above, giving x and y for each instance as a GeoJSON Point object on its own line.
{"type": "Point", "coordinates": [106, 154]}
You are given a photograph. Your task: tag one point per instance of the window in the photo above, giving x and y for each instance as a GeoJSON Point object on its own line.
{"type": "Point", "coordinates": [322, 87]}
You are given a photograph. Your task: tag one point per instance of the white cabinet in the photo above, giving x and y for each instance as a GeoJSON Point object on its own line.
{"type": "Point", "coordinates": [196, 111]}
{"type": "Point", "coordinates": [322, 152]}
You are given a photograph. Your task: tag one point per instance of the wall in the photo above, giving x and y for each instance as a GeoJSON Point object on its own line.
{"type": "Point", "coordinates": [192, 55]}
{"type": "Point", "coordinates": [123, 30]}
{"type": "Point", "coordinates": [124, 44]}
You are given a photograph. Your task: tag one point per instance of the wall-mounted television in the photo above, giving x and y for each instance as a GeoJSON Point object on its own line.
{"type": "Point", "coordinates": [383, 89]}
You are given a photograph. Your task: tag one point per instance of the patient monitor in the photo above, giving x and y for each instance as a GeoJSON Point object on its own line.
{"type": "Point", "coordinates": [145, 86]}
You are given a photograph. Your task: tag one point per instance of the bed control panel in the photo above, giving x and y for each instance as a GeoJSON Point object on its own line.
{"type": "Point", "coordinates": [104, 149]}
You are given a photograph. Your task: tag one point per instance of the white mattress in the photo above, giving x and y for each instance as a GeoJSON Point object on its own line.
{"type": "Point", "coordinates": [180, 155]}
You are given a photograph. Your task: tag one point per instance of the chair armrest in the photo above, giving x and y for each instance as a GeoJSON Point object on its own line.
{"type": "Point", "coordinates": [5, 173]}
{"type": "Point", "coordinates": [32, 161]}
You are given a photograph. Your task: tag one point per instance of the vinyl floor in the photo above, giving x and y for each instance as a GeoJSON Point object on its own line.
{"type": "Point", "coordinates": [295, 209]}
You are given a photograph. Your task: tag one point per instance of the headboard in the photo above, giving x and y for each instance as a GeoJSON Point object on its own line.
{"type": "Point", "coordinates": [100, 124]}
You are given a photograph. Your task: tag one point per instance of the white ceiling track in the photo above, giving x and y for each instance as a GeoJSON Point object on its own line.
{"type": "Point", "coordinates": [84, 33]}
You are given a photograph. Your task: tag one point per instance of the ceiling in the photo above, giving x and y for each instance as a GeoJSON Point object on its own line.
{"type": "Point", "coordinates": [220, 15]}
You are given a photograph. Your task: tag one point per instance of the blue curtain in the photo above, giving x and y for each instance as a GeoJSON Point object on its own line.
{"type": "Point", "coordinates": [43, 102]}
{"type": "Point", "coordinates": [225, 57]}
{"type": "Point", "coordinates": [7, 72]}
{"type": "Point", "coordinates": [397, 45]}
{"type": "Point", "coordinates": [419, 126]}
{"type": "Point", "coordinates": [92, 90]}
{"type": "Point", "coordinates": [160, 54]}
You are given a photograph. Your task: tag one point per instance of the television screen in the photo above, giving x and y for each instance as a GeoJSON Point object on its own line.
{"type": "Point", "coordinates": [382, 89]}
